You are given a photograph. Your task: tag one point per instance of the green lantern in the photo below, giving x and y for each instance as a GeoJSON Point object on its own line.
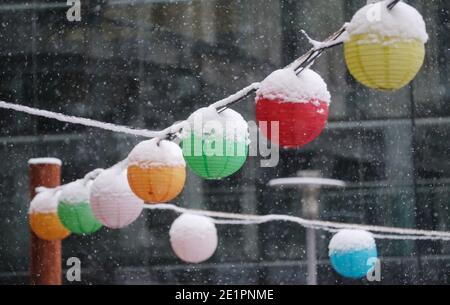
{"type": "Point", "coordinates": [220, 147]}
{"type": "Point", "coordinates": [74, 209]}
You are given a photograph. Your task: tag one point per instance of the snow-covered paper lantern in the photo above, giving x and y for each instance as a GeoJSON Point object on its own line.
{"type": "Point", "coordinates": [215, 145]}
{"type": "Point", "coordinates": [385, 48]}
{"type": "Point", "coordinates": [44, 220]}
{"type": "Point", "coordinates": [299, 104]}
{"type": "Point", "coordinates": [74, 208]}
{"type": "Point", "coordinates": [193, 238]}
{"type": "Point", "coordinates": [352, 252]}
{"type": "Point", "coordinates": [113, 202]}
{"type": "Point", "coordinates": [156, 170]}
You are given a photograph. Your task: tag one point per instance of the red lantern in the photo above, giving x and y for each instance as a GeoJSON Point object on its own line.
{"type": "Point", "coordinates": [298, 104]}
{"type": "Point", "coordinates": [299, 123]}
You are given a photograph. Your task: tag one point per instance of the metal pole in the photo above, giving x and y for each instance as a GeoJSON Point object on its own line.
{"type": "Point", "coordinates": [311, 257]}
{"type": "Point", "coordinates": [310, 207]}
{"type": "Point", "coordinates": [45, 256]}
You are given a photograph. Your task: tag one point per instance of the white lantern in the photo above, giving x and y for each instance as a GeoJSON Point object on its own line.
{"type": "Point", "coordinates": [113, 202]}
{"type": "Point", "coordinates": [193, 238]}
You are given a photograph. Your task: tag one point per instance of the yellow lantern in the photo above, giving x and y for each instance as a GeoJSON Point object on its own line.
{"type": "Point", "coordinates": [382, 66]}
{"type": "Point", "coordinates": [385, 48]}
{"type": "Point", "coordinates": [43, 216]}
{"type": "Point", "coordinates": [156, 171]}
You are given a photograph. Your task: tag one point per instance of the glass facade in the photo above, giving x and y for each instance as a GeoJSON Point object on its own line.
{"type": "Point", "coordinates": [149, 63]}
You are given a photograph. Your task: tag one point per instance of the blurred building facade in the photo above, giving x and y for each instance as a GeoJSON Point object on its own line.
{"type": "Point", "coordinates": [148, 63]}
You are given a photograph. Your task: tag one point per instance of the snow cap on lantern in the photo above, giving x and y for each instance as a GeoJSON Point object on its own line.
{"type": "Point", "coordinates": [292, 110]}
{"type": "Point", "coordinates": [215, 145]}
{"type": "Point", "coordinates": [193, 238]}
{"type": "Point", "coordinates": [156, 170]}
{"type": "Point", "coordinates": [43, 216]}
{"type": "Point", "coordinates": [74, 208]}
{"type": "Point", "coordinates": [113, 202]}
{"type": "Point", "coordinates": [384, 49]}
{"type": "Point", "coordinates": [352, 252]}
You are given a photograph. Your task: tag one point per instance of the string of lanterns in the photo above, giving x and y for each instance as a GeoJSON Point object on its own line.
{"type": "Point", "coordinates": [382, 54]}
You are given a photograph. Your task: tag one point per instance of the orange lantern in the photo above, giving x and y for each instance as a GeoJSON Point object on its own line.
{"type": "Point", "coordinates": [156, 171]}
{"type": "Point", "coordinates": [44, 220]}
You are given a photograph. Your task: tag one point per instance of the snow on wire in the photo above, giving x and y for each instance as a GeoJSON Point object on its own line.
{"type": "Point", "coordinates": [82, 121]}
{"type": "Point", "coordinates": [120, 128]}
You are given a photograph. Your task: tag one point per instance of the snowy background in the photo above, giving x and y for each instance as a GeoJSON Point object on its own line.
{"type": "Point", "coordinates": [149, 63]}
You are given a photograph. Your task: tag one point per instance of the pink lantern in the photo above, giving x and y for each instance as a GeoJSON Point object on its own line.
{"type": "Point", "coordinates": [113, 202]}
{"type": "Point", "coordinates": [193, 238]}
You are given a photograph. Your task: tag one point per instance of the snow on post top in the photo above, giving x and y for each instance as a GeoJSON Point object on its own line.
{"type": "Point", "coordinates": [76, 192]}
{"type": "Point", "coordinates": [208, 120]}
{"type": "Point", "coordinates": [44, 202]}
{"type": "Point", "coordinates": [156, 152]}
{"type": "Point", "coordinates": [403, 21]}
{"type": "Point", "coordinates": [45, 161]}
{"type": "Point", "coordinates": [286, 86]}
{"type": "Point", "coordinates": [351, 240]}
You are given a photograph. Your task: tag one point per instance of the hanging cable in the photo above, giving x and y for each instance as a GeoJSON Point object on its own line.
{"type": "Point", "coordinates": [393, 4]}
{"type": "Point", "coordinates": [245, 219]}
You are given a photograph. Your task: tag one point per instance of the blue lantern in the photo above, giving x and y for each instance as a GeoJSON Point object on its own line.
{"type": "Point", "coordinates": [353, 253]}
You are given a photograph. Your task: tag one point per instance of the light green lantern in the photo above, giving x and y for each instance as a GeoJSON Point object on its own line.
{"type": "Point", "coordinates": [216, 144]}
{"type": "Point", "coordinates": [74, 209]}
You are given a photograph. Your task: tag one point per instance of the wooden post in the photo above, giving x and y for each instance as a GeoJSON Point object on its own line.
{"type": "Point", "coordinates": [45, 256]}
